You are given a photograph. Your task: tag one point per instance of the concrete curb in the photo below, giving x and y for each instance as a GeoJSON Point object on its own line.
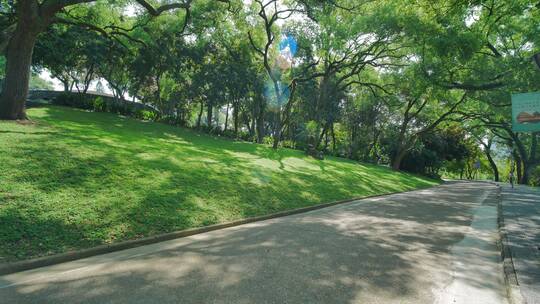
{"type": "Point", "coordinates": [7, 268]}
{"type": "Point", "coordinates": [509, 271]}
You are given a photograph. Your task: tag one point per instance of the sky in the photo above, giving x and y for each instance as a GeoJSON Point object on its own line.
{"type": "Point", "coordinates": [58, 86]}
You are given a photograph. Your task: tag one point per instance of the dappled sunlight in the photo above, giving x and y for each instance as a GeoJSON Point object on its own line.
{"type": "Point", "coordinates": [110, 178]}
{"type": "Point", "coordinates": [299, 165]}
{"type": "Point", "coordinates": [356, 252]}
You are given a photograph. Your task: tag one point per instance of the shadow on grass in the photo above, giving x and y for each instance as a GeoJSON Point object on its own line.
{"type": "Point", "coordinates": [109, 178]}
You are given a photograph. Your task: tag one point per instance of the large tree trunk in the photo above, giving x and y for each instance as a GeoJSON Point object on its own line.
{"type": "Point", "coordinates": [66, 85]}
{"type": "Point", "coordinates": [527, 170]}
{"type": "Point", "coordinates": [403, 149]}
{"type": "Point", "coordinates": [19, 60]}
{"type": "Point", "coordinates": [530, 163]}
{"type": "Point", "coordinates": [398, 158]}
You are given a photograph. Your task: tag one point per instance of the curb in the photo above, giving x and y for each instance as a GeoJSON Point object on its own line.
{"type": "Point", "coordinates": [7, 268]}
{"type": "Point", "coordinates": [510, 278]}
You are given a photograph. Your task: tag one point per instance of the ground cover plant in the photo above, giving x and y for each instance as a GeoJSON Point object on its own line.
{"type": "Point", "coordinates": [74, 179]}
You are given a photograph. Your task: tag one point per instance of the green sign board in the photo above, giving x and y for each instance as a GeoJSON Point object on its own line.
{"type": "Point", "coordinates": [526, 112]}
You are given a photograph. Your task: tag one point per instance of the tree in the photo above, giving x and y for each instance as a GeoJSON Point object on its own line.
{"type": "Point", "coordinates": [29, 19]}
{"type": "Point", "coordinates": [422, 110]}
{"type": "Point", "coordinates": [271, 12]}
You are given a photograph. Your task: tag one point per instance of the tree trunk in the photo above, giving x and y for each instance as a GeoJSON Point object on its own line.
{"type": "Point", "coordinates": [66, 85]}
{"type": "Point", "coordinates": [492, 164]}
{"type": "Point", "coordinates": [321, 136]}
{"type": "Point", "coordinates": [333, 139]}
{"type": "Point", "coordinates": [19, 61]}
{"type": "Point", "coordinates": [396, 162]}
{"type": "Point", "coordinates": [326, 141]}
{"type": "Point", "coordinates": [252, 128]}
{"type": "Point", "coordinates": [209, 112]}
{"type": "Point", "coordinates": [226, 119]}
{"type": "Point", "coordinates": [260, 122]}
{"type": "Point", "coordinates": [527, 170]}
{"type": "Point", "coordinates": [235, 117]}
{"type": "Point", "coordinates": [88, 79]}
{"type": "Point", "coordinates": [200, 115]}
{"type": "Point", "coordinates": [277, 130]}
{"type": "Point", "coordinates": [530, 163]}
{"type": "Point", "coordinates": [403, 148]}
{"type": "Point", "coordinates": [352, 143]}
{"type": "Point", "coordinates": [517, 161]}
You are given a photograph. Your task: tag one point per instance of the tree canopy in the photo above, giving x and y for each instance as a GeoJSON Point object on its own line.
{"type": "Point", "coordinates": [423, 86]}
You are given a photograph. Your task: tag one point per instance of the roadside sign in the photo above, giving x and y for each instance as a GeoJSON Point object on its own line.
{"type": "Point", "coordinates": [526, 112]}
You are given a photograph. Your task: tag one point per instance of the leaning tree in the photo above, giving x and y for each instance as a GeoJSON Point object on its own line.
{"type": "Point", "coordinates": [24, 20]}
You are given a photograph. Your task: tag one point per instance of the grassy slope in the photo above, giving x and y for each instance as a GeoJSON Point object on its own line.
{"type": "Point", "coordinates": [77, 179]}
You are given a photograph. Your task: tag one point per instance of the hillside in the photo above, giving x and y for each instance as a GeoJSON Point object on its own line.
{"type": "Point", "coordinates": [76, 179]}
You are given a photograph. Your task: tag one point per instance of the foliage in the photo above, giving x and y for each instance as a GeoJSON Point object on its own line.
{"type": "Point", "coordinates": [435, 150]}
{"type": "Point", "coordinates": [2, 66]}
{"type": "Point", "coordinates": [384, 82]}
{"type": "Point", "coordinates": [105, 104]}
{"type": "Point", "coordinates": [38, 83]}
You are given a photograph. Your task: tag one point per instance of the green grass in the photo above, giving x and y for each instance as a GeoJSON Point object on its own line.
{"type": "Point", "coordinates": [77, 179]}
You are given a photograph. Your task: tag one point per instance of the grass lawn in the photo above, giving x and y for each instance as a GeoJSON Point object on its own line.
{"type": "Point", "coordinates": [77, 179]}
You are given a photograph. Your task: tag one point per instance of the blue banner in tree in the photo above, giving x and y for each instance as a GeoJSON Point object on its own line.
{"type": "Point", "coordinates": [526, 112]}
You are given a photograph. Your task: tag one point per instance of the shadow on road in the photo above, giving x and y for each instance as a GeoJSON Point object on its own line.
{"type": "Point", "coordinates": [521, 212]}
{"type": "Point", "coordinates": [391, 249]}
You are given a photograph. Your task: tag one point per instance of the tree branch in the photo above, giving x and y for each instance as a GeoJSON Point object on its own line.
{"type": "Point", "coordinates": [166, 7]}
{"type": "Point", "coordinates": [443, 116]}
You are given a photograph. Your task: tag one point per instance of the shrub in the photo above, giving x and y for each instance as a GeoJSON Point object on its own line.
{"type": "Point", "coordinates": [534, 179]}
{"type": "Point", "coordinates": [74, 100]}
{"type": "Point", "coordinates": [288, 144]}
{"type": "Point", "coordinates": [268, 140]}
{"type": "Point", "coordinates": [99, 104]}
{"type": "Point", "coordinates": [146, 115]}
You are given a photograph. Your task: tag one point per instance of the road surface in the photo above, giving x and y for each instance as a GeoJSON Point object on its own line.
{"type": "Point", "coordinates": [521, 212]}
{"type": "Point", "coordinates": [430, 246]}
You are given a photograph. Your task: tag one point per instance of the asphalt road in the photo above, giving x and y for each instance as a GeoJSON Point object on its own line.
{"type": "Point", "coordinates": [521, 211]}
{"type": "Point", "coordinates": [430, 246]}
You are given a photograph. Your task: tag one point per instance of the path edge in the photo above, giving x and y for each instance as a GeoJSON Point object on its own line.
{"type": "Point", "coordinates": [12, 267]}
{"type": "Point", "coordinates": [510, 277]}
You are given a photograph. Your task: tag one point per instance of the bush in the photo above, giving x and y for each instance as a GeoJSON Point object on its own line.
{"type": "Point", "coordinates": [74, 100]}
{"type": "Point", "coordinates": [268, 140]}
{"type": "Point", "coordinates": [99, 105]}
{"type": "Point", "coordinates": [312, 129]}
{"type": "Point", "coordinates": [288, 144]}
{"type": "Point", "coordinates": [534, 179]}
{"type": "Point", "coordinates": [103, 104]}
{"type": "Point", "coordinates": [146, 115]}
{"type": "Point", "coordinates": [244, 135]}
{"type": "Point", "coordinates": [229, 133]}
